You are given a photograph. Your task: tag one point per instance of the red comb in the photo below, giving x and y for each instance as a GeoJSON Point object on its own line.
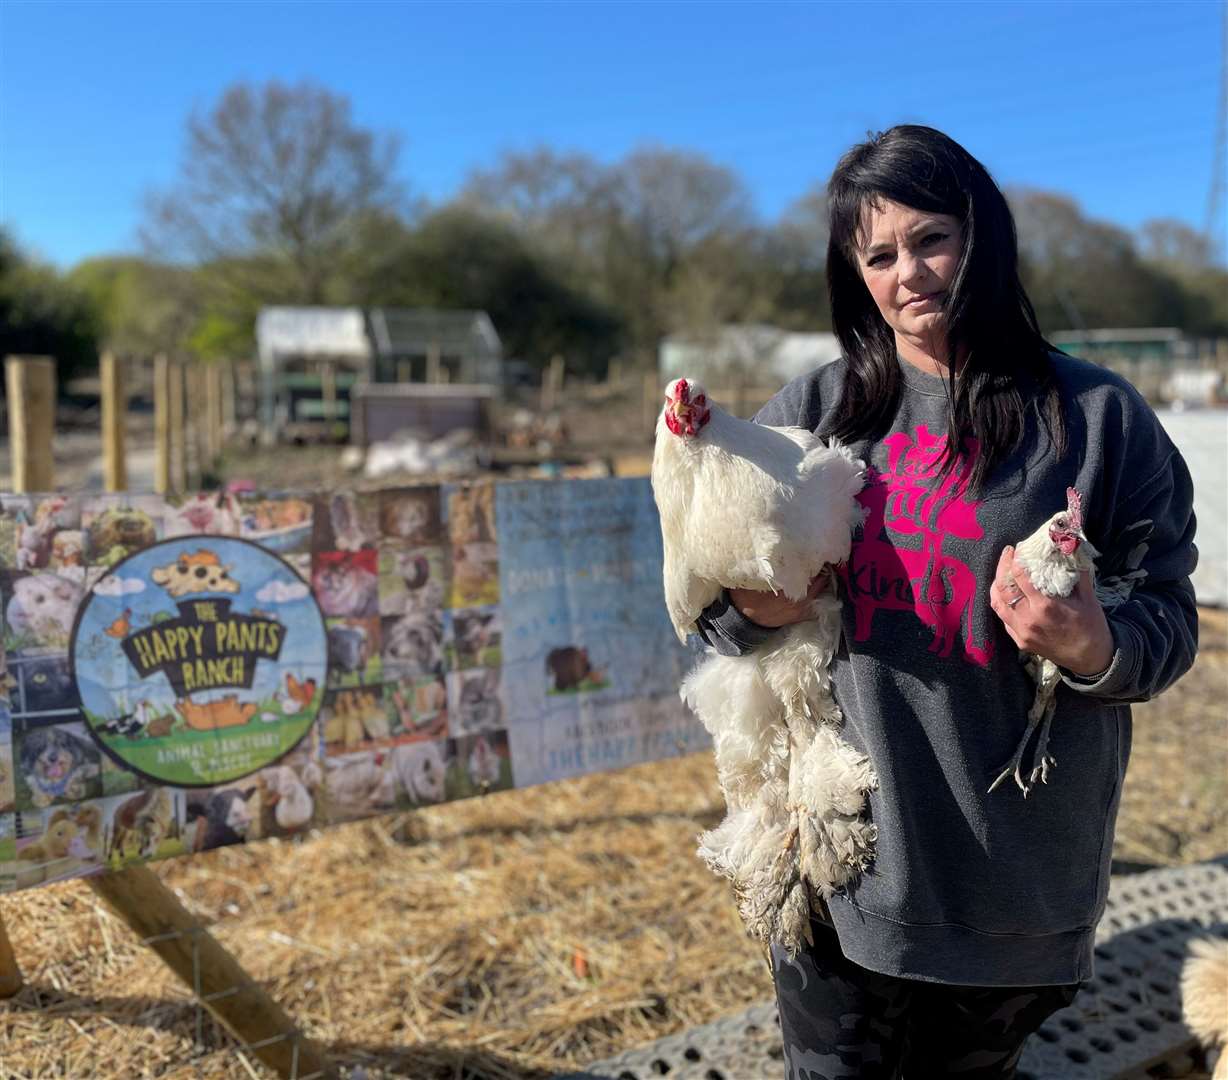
{"type": "Point", "coordinates": [683, 391]}
{"type": "Point", "coordinates": [1074, 507]}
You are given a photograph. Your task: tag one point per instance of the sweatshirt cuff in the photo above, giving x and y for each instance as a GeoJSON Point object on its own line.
{"type": "Point", "coordinates": [727, 630]}
{"type": "Point", "coordinates": [1119, 677]}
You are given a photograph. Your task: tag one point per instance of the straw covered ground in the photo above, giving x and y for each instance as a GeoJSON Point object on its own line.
{"type": "Point", "coordinates": [508, 936]}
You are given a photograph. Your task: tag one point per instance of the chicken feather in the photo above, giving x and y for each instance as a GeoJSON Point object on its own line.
{"type": "Point", "coordinates": [746, 505]}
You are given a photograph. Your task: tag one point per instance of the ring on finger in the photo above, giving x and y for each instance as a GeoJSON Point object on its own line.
{"type": "Point", "coordinates": [1012, 603]}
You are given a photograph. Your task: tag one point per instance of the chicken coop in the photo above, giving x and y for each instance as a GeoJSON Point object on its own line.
{"type": "Point", "coordinates": [427, 345]}
{"type": "Point", "coordinates": [310, 358]}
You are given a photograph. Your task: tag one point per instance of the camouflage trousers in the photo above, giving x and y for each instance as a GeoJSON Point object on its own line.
{"type": "Point", "coordinates": [842, 1022]}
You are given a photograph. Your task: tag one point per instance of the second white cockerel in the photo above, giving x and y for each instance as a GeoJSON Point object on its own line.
{"type": "Point", "coordinates": [746, 505]}
{"type": "Point", "coordinates": [1055, 555]}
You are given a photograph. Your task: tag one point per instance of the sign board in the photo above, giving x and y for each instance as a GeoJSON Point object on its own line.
{"type": "Point", "coordinates": [184, 673]}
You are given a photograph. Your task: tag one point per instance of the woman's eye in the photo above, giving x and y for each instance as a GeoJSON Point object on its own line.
{"type": "Point", "coordinates": [934, 238]}
{"type": "Point", "coordinates": [877, 260]}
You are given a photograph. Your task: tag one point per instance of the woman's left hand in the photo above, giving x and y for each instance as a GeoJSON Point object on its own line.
{"type": "Point", "coordinates": [1072, 631]}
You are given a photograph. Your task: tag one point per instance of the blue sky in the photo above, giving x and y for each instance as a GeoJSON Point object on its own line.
{"type": "Point", "coordinates": [1112, 103]}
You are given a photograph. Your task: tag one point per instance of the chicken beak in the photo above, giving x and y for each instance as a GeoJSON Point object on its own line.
{"type": "Point", "coordinates": [681, 410]}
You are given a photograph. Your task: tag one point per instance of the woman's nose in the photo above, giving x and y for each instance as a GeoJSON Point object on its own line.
{"type": "Point", "coordinates": [912, 269]}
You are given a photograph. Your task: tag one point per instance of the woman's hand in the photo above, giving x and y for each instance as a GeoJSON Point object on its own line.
{"type": "Point", "coordinates": [1072, 631]}
{"type": "Point", "coordinates": [776, 609]}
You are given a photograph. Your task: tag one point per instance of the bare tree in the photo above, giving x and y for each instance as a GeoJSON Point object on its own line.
{"type": "Point", "coordinates": [276, 174]}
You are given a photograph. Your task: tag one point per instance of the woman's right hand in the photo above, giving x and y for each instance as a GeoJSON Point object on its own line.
{"type": "Point", "coordinates": [776, 609]}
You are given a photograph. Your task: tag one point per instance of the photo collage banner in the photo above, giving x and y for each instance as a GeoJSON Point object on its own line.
{"type": "Point", "coordinates": [181, 673]}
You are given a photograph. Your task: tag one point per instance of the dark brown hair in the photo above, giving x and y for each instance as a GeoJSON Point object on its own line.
{"type": "Point", "coordinates": [1004, 364]}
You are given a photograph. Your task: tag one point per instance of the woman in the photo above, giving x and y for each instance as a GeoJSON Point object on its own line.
{"type": "Point", "coordinates": [976, 920]}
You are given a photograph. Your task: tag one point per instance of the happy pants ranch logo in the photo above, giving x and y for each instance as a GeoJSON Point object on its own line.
{"type": "Point", "coordinates": [199, 660]}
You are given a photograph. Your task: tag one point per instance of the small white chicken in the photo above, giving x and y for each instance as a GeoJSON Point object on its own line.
{"type": "Point", "coordinates": [745, 505]}
{"type": "Point", "coordinates": [1054, 557]}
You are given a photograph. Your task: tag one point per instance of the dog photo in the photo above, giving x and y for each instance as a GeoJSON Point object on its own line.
{"type": "Point", "coordinates": [412, 645]}
{"type": "Point", "coordinates": [409, 517]}
{"type": "Point", "coordinates": [55, 764]}
{"type": "Point", "coordinates": [474, 701]}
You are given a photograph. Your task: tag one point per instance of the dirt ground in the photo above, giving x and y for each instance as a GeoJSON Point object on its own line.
{"type": "Point", "coordinates": [515, 935]}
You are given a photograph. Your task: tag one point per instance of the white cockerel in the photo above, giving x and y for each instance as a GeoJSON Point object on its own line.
{"type": "Point", "coordinates": [746, 505]}
{"type": "Point", "coordinates": [1054, 557]}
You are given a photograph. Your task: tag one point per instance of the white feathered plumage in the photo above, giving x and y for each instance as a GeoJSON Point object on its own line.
{"type": "Point", "coordinates": [1055, 555]}
{"type": "Point", "coordinates": [746, 505]}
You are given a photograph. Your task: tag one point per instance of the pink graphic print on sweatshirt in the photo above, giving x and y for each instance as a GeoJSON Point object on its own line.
{"type": "Point", "coordinates": [901, 505]}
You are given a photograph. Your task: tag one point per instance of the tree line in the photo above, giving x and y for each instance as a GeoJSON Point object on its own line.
{"type": "Point", "coordinates": [282, 198]}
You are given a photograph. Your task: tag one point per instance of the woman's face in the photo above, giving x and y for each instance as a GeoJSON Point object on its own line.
{"type": "Point", "coordinates": [907, 259]}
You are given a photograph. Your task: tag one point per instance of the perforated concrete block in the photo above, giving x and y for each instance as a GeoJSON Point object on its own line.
{"type": "Point", "coordinates": [1126, 1022]}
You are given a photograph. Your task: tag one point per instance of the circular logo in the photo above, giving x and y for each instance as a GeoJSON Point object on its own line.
{"type": "Point", "coordinates": [199, 660]}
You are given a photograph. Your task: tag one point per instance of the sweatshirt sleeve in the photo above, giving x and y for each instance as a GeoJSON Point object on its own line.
{"type": "Point", "coordinates": [1145, 566]}
{"type": "Point", "coordinates": [721, 625]}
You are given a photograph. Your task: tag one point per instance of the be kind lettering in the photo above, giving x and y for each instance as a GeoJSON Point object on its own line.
{"type": "Point", "coordinates": [888, 571]}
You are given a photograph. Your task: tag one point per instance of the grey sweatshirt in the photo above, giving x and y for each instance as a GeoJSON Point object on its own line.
{"type": "Point", "coordinates": [968, 887]}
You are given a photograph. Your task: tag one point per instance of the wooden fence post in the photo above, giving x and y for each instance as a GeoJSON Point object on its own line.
{"type": "Point", "coordinates": [137, 896]}
{"type": "Point", "coordinates": [114, 416]}
{"type": "Point", "coordinates": [10, 973]}
{"type": "Point", "coordinates": [162, 423]}
{"type": "Point", "coordinates": [179, 442]}
{"type": "Point", "coordinates": [552, 383]}
{"type": "Point", "coordinates": [433, 362]}
{"type": "Point", "coordinates": [213, 413]}
{"type": "Point", "coordinates": [230, 413]}
{"type": "Point", "coordinates": [30, 382]}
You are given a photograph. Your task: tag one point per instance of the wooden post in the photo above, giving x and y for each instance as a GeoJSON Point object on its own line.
{"type": "Point", "coordinates": [230, 413]}
{"type": "Point", "coordinates": [31, 392]}
{"type": "Point", "coordinates": [162, 423]}
{"type": "Point", "coordinates": [213, 413]}
{"type": "Point", "coordinates": [30, 382]}
{"type": "Point", "coordinates": [114, 417]}
{"type": "Point", "coordinates": [137, 896]}
{"type": "Point", "coordinates": [10, 973]}
{"type": "Point", "coordinates": [405, 371]}
{"type": "Point", "coordinates": [433, 362]}
{"type": "Point", "coordinates": [552, 383]}
{"type": "Point", "coordinates": [179, 443]}
{"type": "Point", "coordinates": [328, 392]}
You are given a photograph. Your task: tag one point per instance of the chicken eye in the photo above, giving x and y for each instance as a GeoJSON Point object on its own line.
{"type": "Point", "coordinates": [201, 572]}
{"type": "Point", "coordinates": [1061, 523]}
{"type": "Point", "coordinates": [701, 400]}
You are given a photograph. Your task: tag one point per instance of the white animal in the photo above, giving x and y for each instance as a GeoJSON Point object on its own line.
{"type": "Point", "coordinates": [1204, 997]}
{"type": "Point", "coordinates": [44, 605]}
{"type": "Point", "coordinates": [1055, 556]}
{"type": "Point", "coordinates": [751, 506]}
{"type": "Point", "coordinates": [293, 805]}
{"type": "Point", "coordinates": [421, 767]}
{"type": "Point", "coordinates": [359, 784]}
{"type": "Point", "coordinates": [483, 763]}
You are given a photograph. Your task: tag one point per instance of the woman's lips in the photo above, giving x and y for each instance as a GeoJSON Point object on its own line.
{"type": "Point", "coordinates": [920, 301]}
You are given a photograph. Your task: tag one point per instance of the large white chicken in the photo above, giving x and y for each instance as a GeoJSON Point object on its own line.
{"type": "Point", "coordinates": [1055, 555]}
{"type": "Point", "coordinates": [746, 505]}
